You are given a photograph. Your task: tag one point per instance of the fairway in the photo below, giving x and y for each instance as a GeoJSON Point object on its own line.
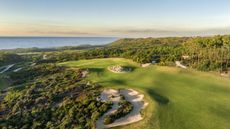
{"type": "Point", "coordinates": [178, 99]}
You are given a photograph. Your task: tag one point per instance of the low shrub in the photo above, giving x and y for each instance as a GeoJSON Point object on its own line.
{"type": "Point", "coordinates": [125, 107]}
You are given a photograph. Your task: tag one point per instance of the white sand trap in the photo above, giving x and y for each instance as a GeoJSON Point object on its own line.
{"type": "Point", "coordinates": [178, 63]}
{"type": "Point", "coordinates": [146, 65]}
{"type": "Point", "coordinates": [119, 69]}
{"type": "Point", "coordinates": [18, 69]}
{"type": "Point", "coordinates": [7, 68]}
{"type": "Point", "coordinates": [130, 95]}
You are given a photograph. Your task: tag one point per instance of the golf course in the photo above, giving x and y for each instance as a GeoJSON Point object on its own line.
{"type": "Point", "coordinates": [178, 98]}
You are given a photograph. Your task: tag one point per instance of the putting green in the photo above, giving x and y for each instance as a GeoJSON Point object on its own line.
{"type": "Point", "coordinates": [178, 99]}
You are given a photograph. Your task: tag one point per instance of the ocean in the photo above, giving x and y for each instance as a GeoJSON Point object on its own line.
{"type": "Point", "coordinates": [51, 42]}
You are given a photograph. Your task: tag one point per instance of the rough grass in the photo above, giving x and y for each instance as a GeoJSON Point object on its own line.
{"type": "Point", "coordinates": [3, 83]}
{"type": "Point", "coordinates": [179, 99]}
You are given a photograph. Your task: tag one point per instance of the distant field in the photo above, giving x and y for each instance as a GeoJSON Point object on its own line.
{"type": "Point", "coordinates": [179, 99]}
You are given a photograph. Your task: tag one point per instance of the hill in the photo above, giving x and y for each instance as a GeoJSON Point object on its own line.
{"type": "Point", "coordinates": [179, 99]}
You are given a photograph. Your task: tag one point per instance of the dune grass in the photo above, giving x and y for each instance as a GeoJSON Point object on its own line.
{"type": "Point", "coordinates": [178, 99]}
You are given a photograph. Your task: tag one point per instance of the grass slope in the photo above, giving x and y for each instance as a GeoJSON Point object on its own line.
{"type": "Point", "coordinates": [179, 99]}
{"type": "Point", "coordinates": [3, 83]}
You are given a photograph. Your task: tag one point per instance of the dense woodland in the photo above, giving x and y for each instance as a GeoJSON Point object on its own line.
{"type": "Point", "coordinates": [57, 98]}
{"type": "Point", "coordinates": [209, 53]}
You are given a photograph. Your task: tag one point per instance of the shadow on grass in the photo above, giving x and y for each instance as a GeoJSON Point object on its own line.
{"type": "Point", "coordinates": [118, 82]}
{"type": "Point", "coordinates": [99, 71]}
{"type": "Point", "coordinates": [129, 67]}
{"type": "Point", "coordinates": [115, 82]}
{"type": "Point", "coordinates": [220, 110]}
{"type": "Point", "coordinates": [159, 98]}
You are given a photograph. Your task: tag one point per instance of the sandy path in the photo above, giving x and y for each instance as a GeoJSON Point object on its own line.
{"type": "Point", "coordinates": [132, 96]}
{"type": "Point", "coordinates": [178, 63]}
{"type": "Point", "coordinates": [7, 68]}
{"type": "Point", "coordinates": [18, 69]}
{"type": "Point", "coordinates": [146, 65]}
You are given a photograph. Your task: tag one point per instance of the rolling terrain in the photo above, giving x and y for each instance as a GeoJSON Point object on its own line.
{"type": "Point", "coordinates": [178, 99]}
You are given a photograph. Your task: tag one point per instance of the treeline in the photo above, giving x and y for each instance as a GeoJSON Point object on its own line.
{"type": "Point", "coordinates": [203, 53]}
{"type": "Point", "coordinates": [162, 50]}
{"type": "Point", "coordinates": [148, 42]}
{"type": "Point", "coordinates": [208, 53]}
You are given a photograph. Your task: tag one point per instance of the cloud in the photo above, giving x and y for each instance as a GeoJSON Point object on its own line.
{"type": "Point", "coordinates": [70, 30]}
{"type": "Point", "coordinates": [171, 32]}
{"type": "Point", "coordinates": [58, 32]}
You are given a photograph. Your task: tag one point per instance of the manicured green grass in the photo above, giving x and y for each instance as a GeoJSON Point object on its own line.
{"type": "Point", "coordinates": [178, 99]}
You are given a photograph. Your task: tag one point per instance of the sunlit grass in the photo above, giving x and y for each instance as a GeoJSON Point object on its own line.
{"type": "Point", "coordinates": [179, 99]}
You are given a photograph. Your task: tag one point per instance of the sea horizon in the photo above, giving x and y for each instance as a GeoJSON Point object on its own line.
{"type": "Point", "coordinates": [17, 42]}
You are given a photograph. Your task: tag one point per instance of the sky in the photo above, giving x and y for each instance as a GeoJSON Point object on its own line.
{"type": "Point", "coordinates": [114, 18]}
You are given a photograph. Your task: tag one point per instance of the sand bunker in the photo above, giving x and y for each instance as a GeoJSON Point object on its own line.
{"type": "Point", "coordinates": [114, 96]}
{"type": "Point", "coordinates": [146, 65]}
{"type": "Point", "coordinates": [119, 69]}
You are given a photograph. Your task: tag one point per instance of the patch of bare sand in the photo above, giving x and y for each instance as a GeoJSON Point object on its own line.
{"type": "Point", "coordinates": [130, 95]}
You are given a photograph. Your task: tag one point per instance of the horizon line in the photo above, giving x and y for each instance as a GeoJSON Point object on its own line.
{"type": "Point", "coordinates": [119, 37]}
